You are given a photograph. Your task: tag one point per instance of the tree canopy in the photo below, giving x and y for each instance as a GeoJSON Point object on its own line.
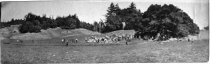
{"type": "Point", "coordinates": [168, 21]}
{"type": "Point", "coordinates": [116, 16]}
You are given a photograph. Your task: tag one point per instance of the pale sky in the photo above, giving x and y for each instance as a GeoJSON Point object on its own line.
{"type": "Point", "coordinates": [90, 11]}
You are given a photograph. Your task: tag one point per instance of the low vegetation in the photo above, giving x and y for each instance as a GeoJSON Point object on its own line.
{"type": "Point", "coordinates": [206, 28]}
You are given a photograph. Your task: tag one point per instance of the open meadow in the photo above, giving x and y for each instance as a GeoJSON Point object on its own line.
{"type": "Point", "coordinates": [52, 51]}
{"type": "Point", "coordinates": [39, 32]}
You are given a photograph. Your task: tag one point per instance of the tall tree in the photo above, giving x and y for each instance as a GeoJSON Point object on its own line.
{"type": "Point", "coordinates": [77, 20]}
{"type": "Point", "coordinates": [113, 20]}
{"type": "Point", "coordinates": [132, 17]}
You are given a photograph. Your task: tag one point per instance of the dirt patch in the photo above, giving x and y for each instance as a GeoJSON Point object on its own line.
{"type": "Point", "coordinates": [44, 34]}
{"type": "Point", "coordinates": [31, 36]}
{"type": "Point", "coordinates": [87, 32]}
{"type": "Point", "coordinates": [52, 32]}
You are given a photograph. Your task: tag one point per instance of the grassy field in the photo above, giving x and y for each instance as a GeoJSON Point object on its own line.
{"type": "Point", "coordinates": [142, 51]}
{"type": "Point", "coordinates": [51, 51]}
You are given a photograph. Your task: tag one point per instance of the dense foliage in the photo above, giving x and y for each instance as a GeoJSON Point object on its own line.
{"type": "Point", "coordinates": [164, 22]}
{"type": "Point", "coordinates": [159, 22]}
{"type": "Point", "coordinates": [206, 28]}
{"type": "Point", "coordinates": [116, 16]}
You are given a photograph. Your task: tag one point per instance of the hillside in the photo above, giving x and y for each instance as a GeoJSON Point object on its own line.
{"type": "Point", "coordinates": [52, 33]}
{"type": "Point", "coordinates": [58, 32]}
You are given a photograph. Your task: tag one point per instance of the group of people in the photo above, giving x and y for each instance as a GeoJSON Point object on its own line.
{"type": "Point", "coordinates": [64, 41]}
{"type": "Point", "coordinates": [102, 39]}
{"type": "Point", "coordinates": [188, 39]}
{"type": "Point", "coordinates": [67, 41]}
{"type": "Point", "coordinates": [98, 39]}
{"type": "Point", "coordinates": [110, 39]}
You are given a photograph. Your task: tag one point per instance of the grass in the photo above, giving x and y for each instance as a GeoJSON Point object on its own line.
{"type": "Point", "coordinates": [140, 52]}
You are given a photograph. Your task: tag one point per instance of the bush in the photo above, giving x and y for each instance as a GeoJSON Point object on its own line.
{"type": "Point", "coordinates": [206, 28]}
{"type": "Point", "coordinates": [28, 26]}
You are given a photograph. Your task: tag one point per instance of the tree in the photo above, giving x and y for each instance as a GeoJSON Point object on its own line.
{"type": "Point", "coordinates": [113, 10]}
{"type": "Point", "coordinates": [30, 27]}
{"type": "Point", "coordinates": [96, 26]}
{"type": "Point", "coordinates": [167, 21]}
{"type": "Point", "coordinates": [132, 17]}
{"type": "Point", "coordinates": [116, 17]}
{"type": "Point", "coordinates": [86, 25]}
{"type": "Point", "coordinates": [206, 28]}
{"type": "Point", "coordinates": [113, 20]}
{"type": "Point", "coordinates": [101, 26]}
{"type": "Point", "coordinates": [183, 30]}
{"type": "Point", "coordinates": [31, 16]}
{"type": "Point", "coordinates": [77, 21]}
{"type": "Point", "coordinates": [69, 22]}
{"type": "Point", "coordinates": [132, 6]}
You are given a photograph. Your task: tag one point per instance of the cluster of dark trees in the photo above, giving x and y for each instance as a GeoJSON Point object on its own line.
{"type": "Point", "coordinates": [159, 22]}
{"type": "Point", "coordinates": [34, 23]}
